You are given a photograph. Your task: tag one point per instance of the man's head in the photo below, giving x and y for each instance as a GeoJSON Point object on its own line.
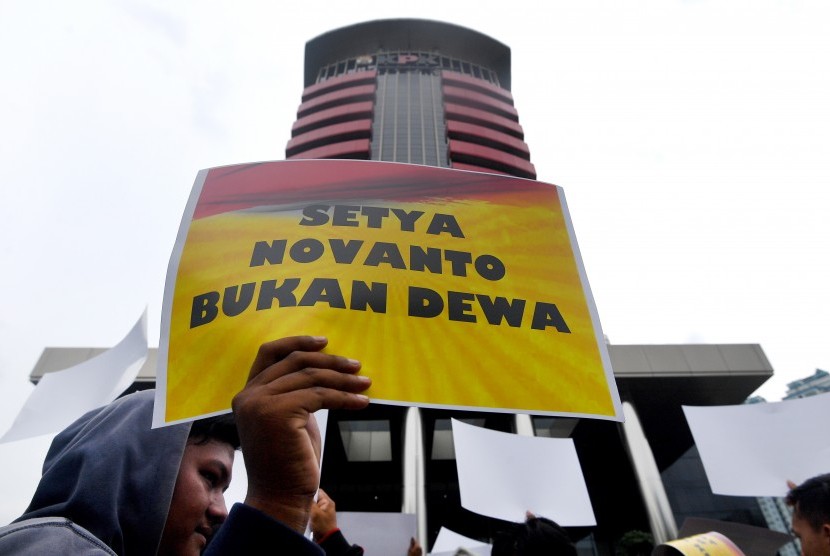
{"type": "Point", "coordinates": [197, 507]}
{"type": "Point", "coordinates": [811, 515]}
{"type": "Point", "coordinates": [537, 536]}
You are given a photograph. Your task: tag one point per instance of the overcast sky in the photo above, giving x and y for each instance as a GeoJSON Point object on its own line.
{"type": "Point", "coordinates": [692, 139]}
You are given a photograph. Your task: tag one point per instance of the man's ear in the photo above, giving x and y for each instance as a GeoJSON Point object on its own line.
{"type": "Point", "coordinates": [825, 534]}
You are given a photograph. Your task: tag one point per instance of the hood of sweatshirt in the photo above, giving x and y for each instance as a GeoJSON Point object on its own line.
{"type": "Point", "coordinates": [113, 474]}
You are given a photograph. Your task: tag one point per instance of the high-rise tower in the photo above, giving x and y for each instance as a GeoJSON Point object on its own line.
{"type": "Point", "coordinates": [421, 92]}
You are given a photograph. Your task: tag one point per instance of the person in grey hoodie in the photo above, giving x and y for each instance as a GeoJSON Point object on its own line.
{"type": "Point", "coordinates": [113, 485]}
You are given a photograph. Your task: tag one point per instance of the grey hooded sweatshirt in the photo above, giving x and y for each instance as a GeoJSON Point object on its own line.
{"type": "Point", "coordinates": [106, 488]}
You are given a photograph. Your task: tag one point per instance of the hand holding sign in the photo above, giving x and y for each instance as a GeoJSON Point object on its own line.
{"type": "Point", "coordinates": [289, 380]}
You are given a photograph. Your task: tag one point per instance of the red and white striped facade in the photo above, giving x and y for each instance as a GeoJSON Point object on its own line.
{"type": "Point", "coordinates": [413, 91]}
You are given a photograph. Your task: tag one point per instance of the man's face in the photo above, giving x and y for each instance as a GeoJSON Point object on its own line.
{"type": "Point", "coordinates": [198, 505]}
{"type": "Point", "coordinates": [814, 542]}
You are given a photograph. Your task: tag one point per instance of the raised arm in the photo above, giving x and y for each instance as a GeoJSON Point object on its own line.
{"type": "Point", "coordinates": [291, 379]}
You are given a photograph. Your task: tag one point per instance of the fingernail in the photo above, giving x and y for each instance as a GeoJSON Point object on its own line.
{"type": "Point", "coordinates": [353, 362]}
{"type": "Point", "coordinates": [363, 378]}
{"type": "Point", "coordinates": [362, 397]}
{"type": "Point", "coordinates": [319, 338]}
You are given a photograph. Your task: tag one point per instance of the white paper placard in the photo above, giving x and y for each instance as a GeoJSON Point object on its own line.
{"type": "Point", "coordinates": [504, 475]}
{"type": "Point", "coordinates": [62, 396]}
{"type": "Point", "coordinates": [754, 449]}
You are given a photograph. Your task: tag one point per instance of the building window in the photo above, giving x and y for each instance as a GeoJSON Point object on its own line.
{"type": "Point", "coordinates": [366, 440]}
{"type": "Point", "coordinates": [443, 447]}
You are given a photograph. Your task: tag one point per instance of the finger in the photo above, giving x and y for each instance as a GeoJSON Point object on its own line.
{"type": "Point", "coordinates": [310, 400]}
{"type": "Point", "coordinates": [300, 394]}
{"type": "Point", "coordinates": [299, 360]}
{"type": "Point", "coordinates": [322, 495]}
{"type": "Point", "coordinates": [310, 377]}
{"type": "Point", "coordinates": [273, 352]}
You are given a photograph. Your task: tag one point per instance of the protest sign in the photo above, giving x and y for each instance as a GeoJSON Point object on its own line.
{"type": "Point", "coordinates": [379, 532]}
{"type": "Point", "coordinates": [63, 396]}
{"type": "Point", "coordinates": [504, 475]}
{"type": "Point", "coordinates": [454, 289]}
{"type": "Point", "coordinates": [754, 449]}
{"type": "Point", "coordinates": [709, 544]}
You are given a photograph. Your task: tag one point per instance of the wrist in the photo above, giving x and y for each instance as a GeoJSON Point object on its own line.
{"type": "Point", "coordinates": [292, 510]}
{"type": "Point", "coordinates": [320, 539]}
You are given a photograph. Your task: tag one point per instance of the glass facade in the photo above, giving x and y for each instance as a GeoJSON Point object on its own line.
{"type": "Point", "coordinates": [690, 496]}
{"type": "Point", "coordinates": [404, 61]}
{"type": "Point", "coordinates": [408, 124]}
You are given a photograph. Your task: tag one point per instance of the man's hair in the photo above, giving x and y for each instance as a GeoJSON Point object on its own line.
{"type": "Point", "coordinates": [221, 428]}
{"type": "Point", "coordinates": [811, 500]}
{"type": "Point", "coordinates": [538, 536]}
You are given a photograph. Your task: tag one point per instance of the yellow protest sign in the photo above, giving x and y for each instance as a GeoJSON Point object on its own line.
{"type": "Point", "coordinates": [454, 289]}
{"type": "Point", "coordinates": [704, 544]}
